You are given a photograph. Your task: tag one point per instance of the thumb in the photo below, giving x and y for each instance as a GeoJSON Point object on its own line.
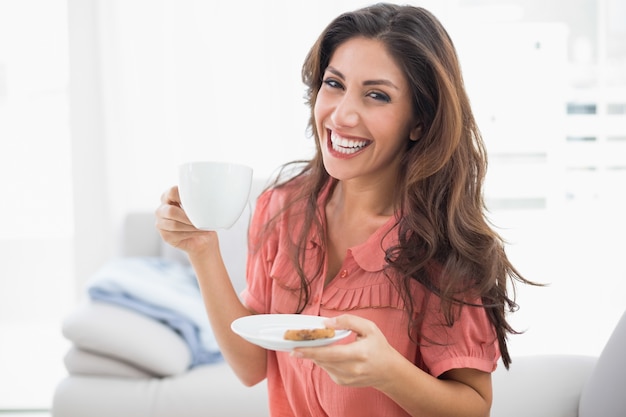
{"type": "Point", "coordinates": [357, 324]}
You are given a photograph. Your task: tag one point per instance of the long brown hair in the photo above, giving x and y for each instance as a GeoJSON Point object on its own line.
{"type": "Point", "coordinates": [445, 241]}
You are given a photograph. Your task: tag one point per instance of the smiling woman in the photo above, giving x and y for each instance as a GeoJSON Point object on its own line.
{"type": "Point", "coordinates": [382, 230]}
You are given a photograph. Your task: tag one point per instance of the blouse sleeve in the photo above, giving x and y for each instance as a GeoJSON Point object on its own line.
{"type": "Point", "coordinates": [471, 342]}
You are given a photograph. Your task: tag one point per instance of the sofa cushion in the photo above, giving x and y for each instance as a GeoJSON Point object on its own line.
{"type": "Point", "coordinates": [120, 333]}
{"type": "Point", "coordinates": [83, 362]}
{"type": "Point", "coordinates": [603, 394]}
{"type": "Point", "coordinates": [205, 391]}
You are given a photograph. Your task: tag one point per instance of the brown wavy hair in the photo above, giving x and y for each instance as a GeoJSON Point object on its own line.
{"type": "Point", "coordinates": [445, 241]}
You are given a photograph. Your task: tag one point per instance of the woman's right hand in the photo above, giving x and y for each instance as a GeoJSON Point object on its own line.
{"type": "Point", "coordinates": [176, 229]}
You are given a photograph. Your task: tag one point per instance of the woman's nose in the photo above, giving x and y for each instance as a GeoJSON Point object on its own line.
{"type": "Point", "coordinates": [346, 112]}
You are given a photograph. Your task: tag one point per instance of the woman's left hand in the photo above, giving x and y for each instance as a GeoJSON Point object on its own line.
{"type": "Point", "coordinates": [364, 362]}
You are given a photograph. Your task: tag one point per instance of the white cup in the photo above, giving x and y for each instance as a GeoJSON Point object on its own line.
{"type": "Point", "coordinates": [214, 194]}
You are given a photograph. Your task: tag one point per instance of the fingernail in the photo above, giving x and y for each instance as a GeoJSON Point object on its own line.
{"type": "Point", "coordinates": [296, 354]}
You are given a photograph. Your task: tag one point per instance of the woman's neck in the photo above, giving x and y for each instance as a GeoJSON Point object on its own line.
{"type": "Point", "coordinates": [355, 198]}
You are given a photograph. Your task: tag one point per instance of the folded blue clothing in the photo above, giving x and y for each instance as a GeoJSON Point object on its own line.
{"type": "Point", "coordinates": [163, 290]}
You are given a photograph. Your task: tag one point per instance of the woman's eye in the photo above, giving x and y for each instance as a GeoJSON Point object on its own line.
{"type": "Point", "coordinates": [332, 83]}
{"type": "Point", "coordinates": [379, 96]}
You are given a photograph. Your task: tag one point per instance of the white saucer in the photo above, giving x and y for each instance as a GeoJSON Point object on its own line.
{"type": "Point", "coordinates": [267, 330]}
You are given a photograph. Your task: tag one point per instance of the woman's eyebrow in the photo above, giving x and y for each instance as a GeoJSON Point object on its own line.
{"type": "Point", "coordinates": [367, 83]}
{"type": "Point", "coordinates": [381, 82]}
{"type": "Point", "coordinates": [336, 72]}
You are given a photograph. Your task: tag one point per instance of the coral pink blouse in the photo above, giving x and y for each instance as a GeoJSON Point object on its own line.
{"type": "Point", "coordinates": [297, 387]}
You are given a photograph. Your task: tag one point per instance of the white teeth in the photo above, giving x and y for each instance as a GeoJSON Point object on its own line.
{"type": "Point", "coordinates": [346, 146]}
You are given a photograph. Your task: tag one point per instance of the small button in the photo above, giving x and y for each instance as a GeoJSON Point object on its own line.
{"type": "Point", "coordinates": [343, 273]}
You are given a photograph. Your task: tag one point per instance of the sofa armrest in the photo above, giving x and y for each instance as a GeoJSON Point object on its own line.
{"type": "Point", "coordinates": [540, 386]}
{"type": "Point", "coordinates": [604, 394]}
{"type": "Point", "coordinates": [122, 334]}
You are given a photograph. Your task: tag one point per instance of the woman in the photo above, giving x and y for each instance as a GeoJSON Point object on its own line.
{"type": "Point", "coordinates": [383, 231]}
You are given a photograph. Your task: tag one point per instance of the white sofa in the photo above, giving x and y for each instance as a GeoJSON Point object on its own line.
{"type": "Point", "coordinates": [122, 364]}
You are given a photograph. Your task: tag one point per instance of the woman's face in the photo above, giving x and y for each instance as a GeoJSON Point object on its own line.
{"type": "Point", "coordinates": [363, 112]}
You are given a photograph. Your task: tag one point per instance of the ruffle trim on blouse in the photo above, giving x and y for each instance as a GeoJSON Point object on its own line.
{"type": "Point", "coordinates": [378, 295]}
